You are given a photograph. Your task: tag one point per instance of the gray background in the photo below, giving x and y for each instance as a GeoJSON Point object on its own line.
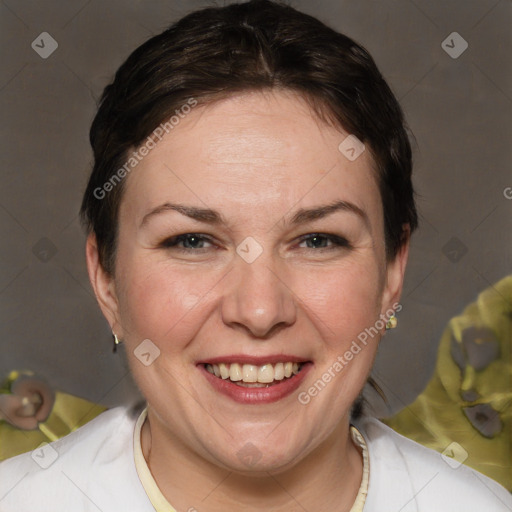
{"type": "Point", "coordinates": [459, 110]}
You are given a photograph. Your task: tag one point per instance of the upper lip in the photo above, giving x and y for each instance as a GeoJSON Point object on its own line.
{"type": "Point", "coordinates": [254, 360]}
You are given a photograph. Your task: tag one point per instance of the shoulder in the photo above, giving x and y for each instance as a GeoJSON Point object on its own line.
{"type": "Point", "coordinates": [413, 478]}
{"type": "Point", "coordinates": [87, 470]}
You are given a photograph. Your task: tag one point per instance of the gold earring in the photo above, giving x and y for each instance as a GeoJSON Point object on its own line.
{"type": "Point", "coordinates": [117, 342]}
{"type": "Point", "coordinates": [392, 322]}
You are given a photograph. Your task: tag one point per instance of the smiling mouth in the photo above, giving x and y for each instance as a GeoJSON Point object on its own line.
{"type": "Point", "coordinates": [253, 376]}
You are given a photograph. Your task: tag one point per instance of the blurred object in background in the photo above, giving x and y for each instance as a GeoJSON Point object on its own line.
{"type": "Point", "coordinates": [25, 400]}
{"type": "Point", "coordinates": [469, 398]}
{"type": "Point", "coordinates": [32, 413]}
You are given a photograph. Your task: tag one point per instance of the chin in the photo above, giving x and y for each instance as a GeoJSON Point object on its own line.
{"type": "Point", "coordinates": [260, 458]}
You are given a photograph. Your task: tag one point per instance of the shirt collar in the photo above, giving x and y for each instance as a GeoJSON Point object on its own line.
{"type": "Point", "coordinates": [160, 503]}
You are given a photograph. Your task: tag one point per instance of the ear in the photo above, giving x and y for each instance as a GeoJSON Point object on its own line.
{"type": "Point", "coordinates": [395, 272]}
{"type": "Point", "coordinates": [103, 285]}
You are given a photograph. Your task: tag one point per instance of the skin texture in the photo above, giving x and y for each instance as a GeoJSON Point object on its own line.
{"type": "Point", "coordinates": [256, 159]}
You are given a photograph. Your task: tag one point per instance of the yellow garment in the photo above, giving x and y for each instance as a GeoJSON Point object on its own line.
{"type": "Point", "coordinates": [162, 505]}
{"type": "Point", "coordinates": [469, 398]}
{"type": "Point", "coordinates": [69, 412]}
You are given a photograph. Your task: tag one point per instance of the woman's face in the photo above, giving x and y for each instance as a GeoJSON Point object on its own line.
{"type": "Point", "coordinates": [247, 237]}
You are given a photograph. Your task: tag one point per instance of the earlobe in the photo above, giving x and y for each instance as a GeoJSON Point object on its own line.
{"type": "Point", "coordinates": [103, 285]}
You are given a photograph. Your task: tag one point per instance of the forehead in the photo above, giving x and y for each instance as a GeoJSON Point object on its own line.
{"type": "Point", "coordinates": [254, 149]}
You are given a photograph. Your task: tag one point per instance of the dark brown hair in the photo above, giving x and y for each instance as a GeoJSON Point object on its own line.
{"type": "Point", "coordinates": [258, 45]}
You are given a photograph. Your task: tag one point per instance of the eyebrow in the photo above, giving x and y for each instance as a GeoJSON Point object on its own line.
{"type": "Point", "coordinates": [200, 214]}
{"type": "Point", "coordinates": [307, 215]}
{"type": "Point", "coordinates": [302, 216]}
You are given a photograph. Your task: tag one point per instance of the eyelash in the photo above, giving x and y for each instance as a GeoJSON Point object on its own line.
{"type": "Point", "coordinates": [337, 241]}
{"type": "Point", "coordinates": [172, 242]}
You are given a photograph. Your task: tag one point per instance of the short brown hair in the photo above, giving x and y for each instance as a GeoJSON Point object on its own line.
{"type": "Point", "coordinates": [219, 51]}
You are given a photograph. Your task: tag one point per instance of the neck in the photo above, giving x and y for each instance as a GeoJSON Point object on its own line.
{"type": "Point", "coordinates": [327, 479]}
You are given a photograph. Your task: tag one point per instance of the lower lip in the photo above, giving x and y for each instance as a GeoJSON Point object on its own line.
{"type": "Point", "coordinates": [257, 395]}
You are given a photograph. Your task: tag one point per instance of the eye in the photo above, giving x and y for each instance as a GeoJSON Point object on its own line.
{"type": "Point", "coordinates": [322, 241]}
{"type": "Point", "coordinates": [188, 242]}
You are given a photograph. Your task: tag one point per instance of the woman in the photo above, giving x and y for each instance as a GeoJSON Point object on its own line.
{"type": "Point", "coordinates": [248, 215]}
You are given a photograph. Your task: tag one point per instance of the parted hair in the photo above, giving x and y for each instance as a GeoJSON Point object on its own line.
{"type": "Point", "coordinates": [217, 52]}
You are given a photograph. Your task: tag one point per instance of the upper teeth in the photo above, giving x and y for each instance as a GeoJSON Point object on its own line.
{"type": "Point", "coordinates": [249, 373]}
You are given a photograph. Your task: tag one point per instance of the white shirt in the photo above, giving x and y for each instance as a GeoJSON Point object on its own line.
{"type": "Point", "coordinates": [93, 470]}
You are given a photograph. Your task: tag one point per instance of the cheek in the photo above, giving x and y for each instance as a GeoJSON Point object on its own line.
{"type": "Point", "coordinates": [162, 303]}
{"type": "Point", "coordinates": [343, 301]}
{"type": "Point", "coordinates": [344, 305]}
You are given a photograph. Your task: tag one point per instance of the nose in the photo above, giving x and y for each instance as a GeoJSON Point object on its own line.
{"type": "Point", "coordinates": [258, 300]}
